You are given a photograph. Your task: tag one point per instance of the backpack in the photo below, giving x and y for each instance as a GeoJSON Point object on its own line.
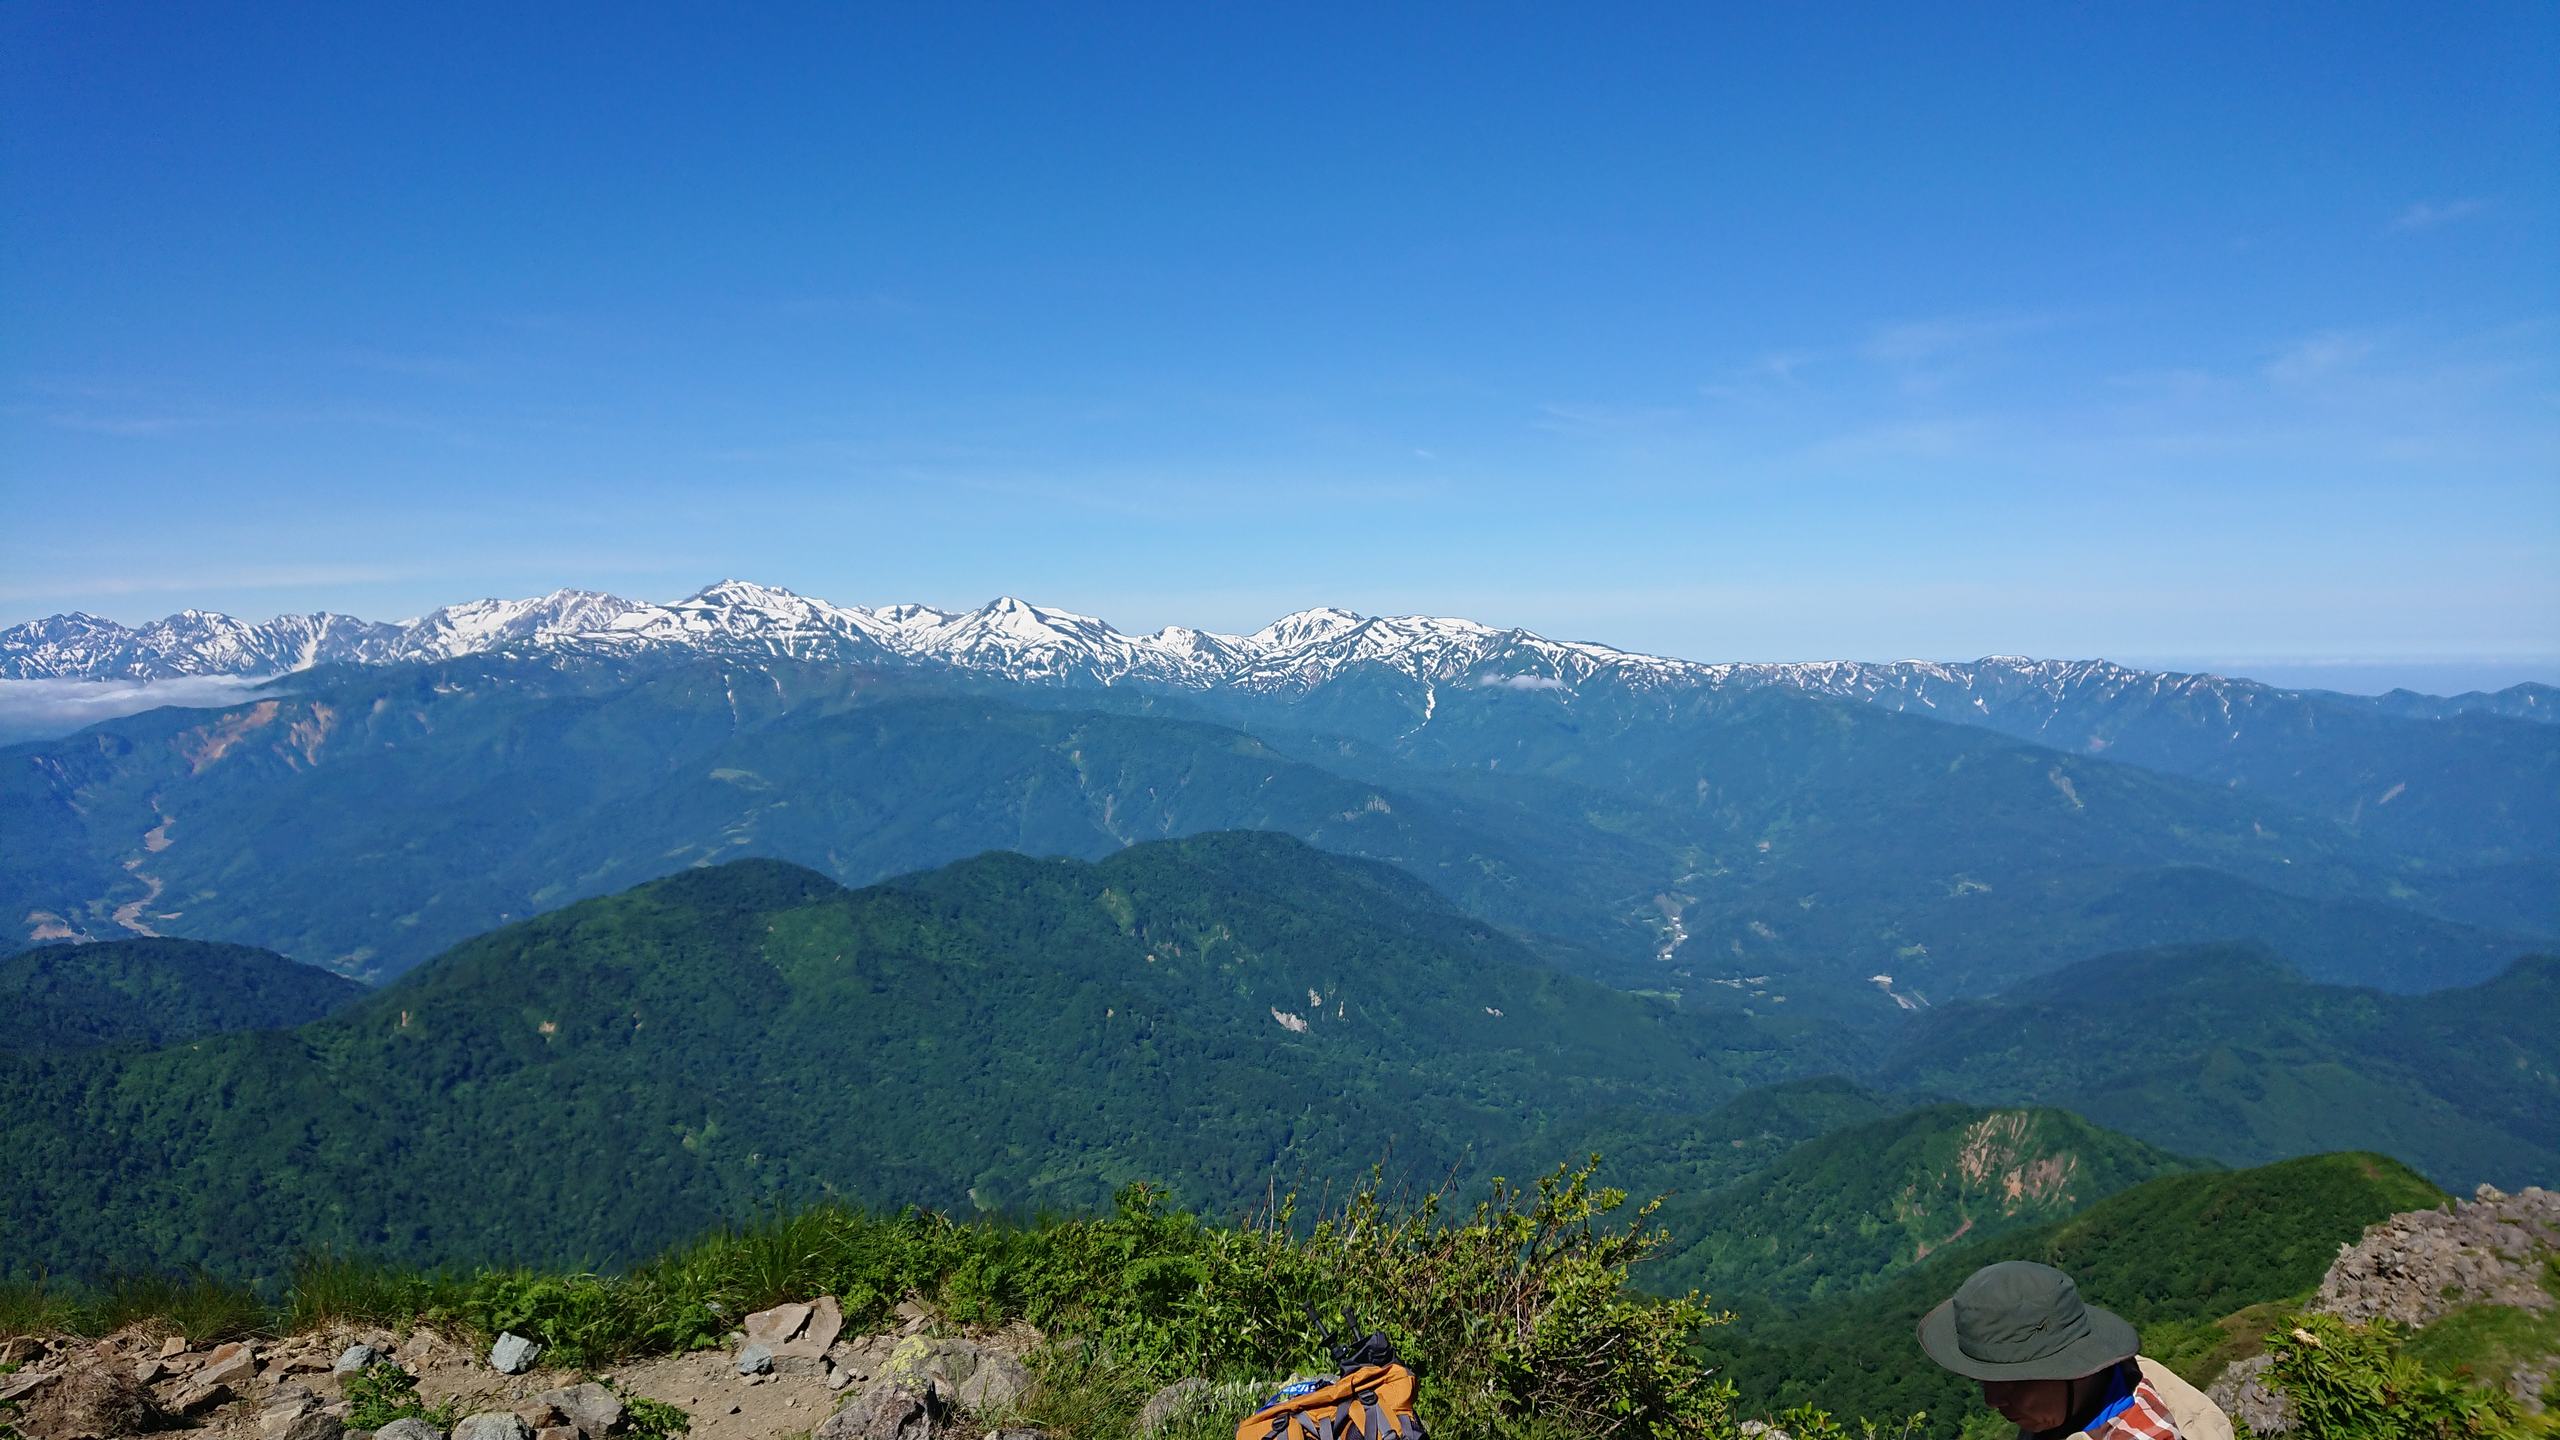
{"type": "Point", "coordinates": [1372, 1399]}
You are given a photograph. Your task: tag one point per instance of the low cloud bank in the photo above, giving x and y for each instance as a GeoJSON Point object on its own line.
{"type": "Point", "coordinates": [1523, 682]}
{"type": "Point", "coordinates": [43, 709]}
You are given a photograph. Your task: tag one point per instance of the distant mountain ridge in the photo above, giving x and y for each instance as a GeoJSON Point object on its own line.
{"type": "Point", "coordinates": [1017, 640]}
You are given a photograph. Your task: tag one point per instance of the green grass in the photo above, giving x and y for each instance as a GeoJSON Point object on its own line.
{"type": "Point", "coordinates": [2487, 1342]}
{"type": "Point", "coordinates": [192, 1303]}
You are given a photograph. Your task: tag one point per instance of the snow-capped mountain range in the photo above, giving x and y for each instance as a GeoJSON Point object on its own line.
{"type": "Point", "coordinates": [1015, 640]}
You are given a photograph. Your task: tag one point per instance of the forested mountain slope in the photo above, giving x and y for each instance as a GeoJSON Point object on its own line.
{"type": "Point", "coordinates": [2227, 1051]}
{"type": "Point", "coordinates": [1222, 1014]}
{"type": "Point", "coordinates": [155, 992]}
{"type": "Point", "coordinates": [1841, 1212]}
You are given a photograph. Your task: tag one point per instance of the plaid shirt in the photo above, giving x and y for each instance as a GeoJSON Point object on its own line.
{"type": "Point", "coordinates": [2145, 1416]}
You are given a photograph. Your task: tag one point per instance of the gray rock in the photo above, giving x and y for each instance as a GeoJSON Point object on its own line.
{"type": "Point", "coordinates": [1174, 1402]}
{"type": "Point", "coordinates": [2242, 1392]}
{"type": "Point", "coordinates": [998, 1386]}
{"type": "Point", "coordinates": [492, 1425]}
{"type": "Point", "coordinates": [300, 1425]}
{"type": "Point", "coordinates": [773, 1328]}
{"type": "Point", "coordinates": [2420, 1264]}
{"type": "Point", "coordinates": [890, 1410]}
{"type": "Point", "coordinates": [921, 1358]}
{"type": "Point", "coordinates": [512, 1355]}
{"type": "Point", "coordinates": [591, 1407]}
{"type": "Point", "coordinates": [1018, 1433]}
{"type": "Point", "coordinates": [355, 1357]}
{"type": "Point", "coordinates": [227, 1363]}
{"type": "Point", "coordinates": [294, 1413]}
{"type": "Point", "coordinates": [755, 1360]}
{"type": "Point", "coordinates": [409, 1429]}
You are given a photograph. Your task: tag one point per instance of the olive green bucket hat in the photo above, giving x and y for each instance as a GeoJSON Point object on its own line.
{"type": "Point", "coordinates": [2018, 1320]}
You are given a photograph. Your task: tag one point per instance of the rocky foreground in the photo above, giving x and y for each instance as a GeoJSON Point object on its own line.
{"type": "Point", "coordinates": [2420, 1266]}
{"type": "Point", "coordinates": [788, 1371]}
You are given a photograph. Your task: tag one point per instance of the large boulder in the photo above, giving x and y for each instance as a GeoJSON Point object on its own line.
{"type": "Point", "coordinates": [491, 1425]}
{"type": "Point", "coordinates": [410, 1428]}
{"type": "Point", "coordinates": [355, 1357]}
{"type": "Point", "coordinates": [890, 1410]}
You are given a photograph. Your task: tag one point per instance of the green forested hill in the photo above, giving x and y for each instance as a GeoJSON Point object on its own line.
{"type": "Point", "coordinates": [1223, 1014]}
{"type": "Point", "coordinates": [2174, 1255]}
{"type": "Point", "coordinates": [2226, 1051]}
{"type": "Point", "coordinates": [155, 992]}
{"type": "Point", "coordinates": [1840, 1212]}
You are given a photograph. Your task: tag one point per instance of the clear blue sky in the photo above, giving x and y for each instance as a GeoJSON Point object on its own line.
{"type": "Point", "coordinates": [2210, 333]}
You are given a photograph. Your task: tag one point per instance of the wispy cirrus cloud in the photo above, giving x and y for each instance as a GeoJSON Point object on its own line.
{"type": "Point", "coordinates": [2433, 214]}
{"type": "Point", "coordinates": [2313, 356]}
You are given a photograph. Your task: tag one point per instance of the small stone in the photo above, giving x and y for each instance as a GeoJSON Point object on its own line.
{"type": "Point", "coordinates": [590, 1409]}
{"type": "Point", "coordinates": [200, 1397]}
{"type": "Point", "coordinates": [226, 1364]}
{"type": "Point", "coordinates": [1172, 1403]}
{"type": "Point", "coordinates": [314, 1424]}
{"type": "Point", "coordinates": [173, 1347]}
{"type": "Point", "coordinates": [355, 1357]}
{"type": "Point", "coordinates": [512, 1355]}
{"type": "Point", "coordinates": [26, 1383]}
{"type": "Point", "coordinates": [148, 1369]}
{"type": "Point", "coordinates": [889, 1410]}
{"type": "Point", "coordinates": [556, 1432]}
{"type": "Point", "coordinates": [734, 1409]}
{"type": "Point", "coordinates": [492, 1425]}
{"type": "Point", "coordinates": [755, 1359]}
{"type": "Point", "coordinates": [407, 1428]}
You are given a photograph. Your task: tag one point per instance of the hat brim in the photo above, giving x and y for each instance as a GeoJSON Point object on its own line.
{"type": "Point", "coordinates": [2110, 1341]}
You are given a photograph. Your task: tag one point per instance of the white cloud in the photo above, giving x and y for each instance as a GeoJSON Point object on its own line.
{"type": "Point", "coordinates": [42, 709]}
{"type": "Point", "coordinates": [2429, 214]}
{"type": "Point", "coordinates": [1522, 682]}
{"type": "Point", "coordinates": [2317, 355]}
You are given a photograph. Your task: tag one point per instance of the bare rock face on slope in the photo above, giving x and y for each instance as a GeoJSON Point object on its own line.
{"type": "Point", "coordinates": [2419, 1266]}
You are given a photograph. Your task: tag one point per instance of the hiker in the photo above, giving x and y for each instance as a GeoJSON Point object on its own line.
{"type": "Point", "coordinates": [2055, 1367]}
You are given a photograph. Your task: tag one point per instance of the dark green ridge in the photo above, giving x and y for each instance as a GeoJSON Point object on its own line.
{"type": "Point", "coordinates": [155, 992]}
{"type": "Point", "coordinates": [1225, 1014]}
{"type": "Point", "coordinates": [2226, 1051]}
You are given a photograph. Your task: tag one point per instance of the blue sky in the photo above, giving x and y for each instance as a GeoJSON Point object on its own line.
{"type": "Point", "coordinates": [2218, 334]}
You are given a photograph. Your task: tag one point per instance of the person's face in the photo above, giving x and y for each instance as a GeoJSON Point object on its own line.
{"type": "Point", "coordinates": [2030, 1404]}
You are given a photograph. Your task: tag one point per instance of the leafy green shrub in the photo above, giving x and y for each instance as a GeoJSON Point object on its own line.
{"type": "Point", "coordinates": [2351, 1382]}
{"type": "Point", "coordinates": [647, 1419]}
{"type": "Point", "coordinates": [383, 1392]}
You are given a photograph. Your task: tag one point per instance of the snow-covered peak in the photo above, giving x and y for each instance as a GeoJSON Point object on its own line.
{"type": "Point", "coordinates": [481, 625]}
{"type": "Point", "coordinates": [1304, 627]}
